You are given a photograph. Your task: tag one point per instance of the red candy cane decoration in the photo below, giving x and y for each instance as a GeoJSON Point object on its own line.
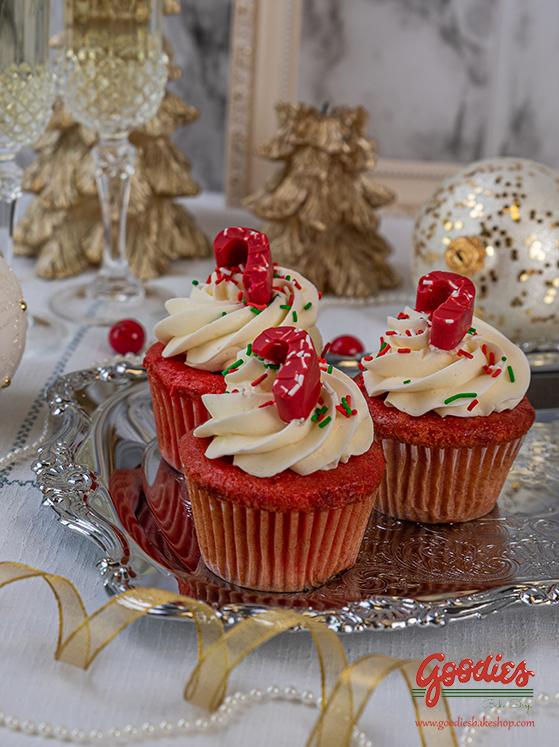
{"type": "Point", "coordinates": [451, 299]}
{"type": "Point", "coordinates": [297, 385]}
{"type": "Point", "coordinates": [237, 245]}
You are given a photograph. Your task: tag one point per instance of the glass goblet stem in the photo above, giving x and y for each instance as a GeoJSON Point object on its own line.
{"type": "Point", "coordinates": [11, 177]}
{"type": "Point", "coordinates": [114, 165]}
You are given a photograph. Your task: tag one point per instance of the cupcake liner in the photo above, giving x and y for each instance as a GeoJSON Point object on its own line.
{"type": "Point", "coordinates": [273, 550]}
{"type": "Point", "coordinates": [174, 415]}
{"type": "Point", "coordinates": [439, 485]}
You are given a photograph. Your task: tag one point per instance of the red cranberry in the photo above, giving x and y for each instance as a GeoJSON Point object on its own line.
{"type": "Point", "coordinates": [346, 345]}
{"type": "Point", "coordinates": [127, 336]}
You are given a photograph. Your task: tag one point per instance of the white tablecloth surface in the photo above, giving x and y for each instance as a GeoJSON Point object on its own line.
{"type": "Point", "coordinates": [140, 677]}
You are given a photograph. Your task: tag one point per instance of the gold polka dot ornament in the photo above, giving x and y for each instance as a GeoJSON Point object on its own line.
{"type": "Point", "coordinates": [13, 324]}
{"type": "Point", "coordinates": [497, 222]}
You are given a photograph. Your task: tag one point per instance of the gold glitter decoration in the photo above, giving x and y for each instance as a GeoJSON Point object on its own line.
{"type": "Point", "coordinates": [511, 207]}
{"type": "Point", "coordinates": [23, 305]}
{"type": "Point", "coordinates": [62, 226]}
{"type": "Point", "coordinates": [321, 205]}
{"type": "Point", "coordinates": [7, 381]}
{"type": "Point", "coordinates": [465, 255]}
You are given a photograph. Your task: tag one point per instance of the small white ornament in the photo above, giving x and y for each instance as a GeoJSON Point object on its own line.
{"type": "Point", "coordinates": [497, 221]}
{"type": "Point", "coordinates": [13, 323]}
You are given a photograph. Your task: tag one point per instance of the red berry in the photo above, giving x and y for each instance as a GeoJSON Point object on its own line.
{"type": "Point", "coordinates": [127, 336]}
{"type": "Point", "coordinates": [346, 345]}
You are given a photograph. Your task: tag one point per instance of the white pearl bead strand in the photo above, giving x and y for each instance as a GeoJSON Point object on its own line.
{"type": "Point", "coordinates": [232, 705]}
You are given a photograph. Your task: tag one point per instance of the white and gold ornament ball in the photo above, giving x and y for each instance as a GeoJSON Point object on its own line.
{"type": "Point", "coordinates": [497, 221]}
{"type": "Point", "coordinates": [13, 324]}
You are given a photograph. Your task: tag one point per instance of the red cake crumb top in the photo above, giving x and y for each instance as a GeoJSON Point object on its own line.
{"type": "Point", "coordinates": [431, 429]}
{"type": "Point", "coordinates": [287, 491]}
{"type": "Point", "coordinates": [175, 376]}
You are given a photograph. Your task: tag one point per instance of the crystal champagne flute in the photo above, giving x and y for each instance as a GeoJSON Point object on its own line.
{"type": "Point", "coordinates": [26, 98]}
{"type": "Point", "coordinates": [113, 74]}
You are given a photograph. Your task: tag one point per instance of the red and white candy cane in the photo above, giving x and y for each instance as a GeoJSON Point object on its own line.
{"type": "Point", "coordinates": [297, 385]}
{"type": "Point", "coordinates": [235, 246]}
{"type": "Point", "coordinates": [451, 299]}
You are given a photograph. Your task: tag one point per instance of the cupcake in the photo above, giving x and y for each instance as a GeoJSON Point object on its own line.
{"type": "Point", "coordinates": [446, 392]}
{"type": "Point", "coordinates": [203, 334]}
{"type": "Point", "coordinates": [283, 475]}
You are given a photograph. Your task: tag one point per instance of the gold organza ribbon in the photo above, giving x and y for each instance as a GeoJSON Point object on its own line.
{"type": "Point", "coordinates": [345, 688]}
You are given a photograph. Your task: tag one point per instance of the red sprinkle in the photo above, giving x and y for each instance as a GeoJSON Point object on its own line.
{"type": "Point", "coordinates": [463, 352]}
{"type": "Point", "coordinates": [491, 358]}
{"type": "Point", "coordinates": [401, 315]}
{"type": "Point", "coordinates": [259, 305]}
{"type": "Point", "coordinates": [209, 279]}
{"type": "Point", "coordinates": [296, 284]}
{"type": "Point", "coordinates": [484, 349]}
{"type": "Point", "coordinates": [240, 296]}
{"type": "Point", "coordinates": [258, 380]}
{"type": "Point", "coordinates": [320, 294]}
{"type": "Point", "coordinates": [391, 332]}
{"type": "Point", "coordinates": [325, 350]}
{"type": "Point", "coordinates": [498, 372]}
{"type": "Point", "coordinates": [354, 412]}
{"type": "Point", "coordinates": [472, 404]}
{"type": "Point", "coordinates": [367, 358]}
{"type": "Point", "coordinates": [404, 350]}
{"type": "Point", "coordinates": [383, 351]}
{"type": "Point", "coordinates": [321, 400]}
{"type": "Point", "coordinates": [360, 366]}
{"type": "Point", "coordinates": [408, 333]}
{"type": "Point", "coordinates": [341, 409]}
{"type": "Point", "coordinates": [269, 402]}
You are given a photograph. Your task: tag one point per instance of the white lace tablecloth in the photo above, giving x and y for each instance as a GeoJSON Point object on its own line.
{"type": "Point", "coordinates": [140, 676]}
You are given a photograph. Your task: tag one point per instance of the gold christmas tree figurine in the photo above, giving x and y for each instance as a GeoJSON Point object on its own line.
{"type": "Point", "coordinates": [62, 226]}
{"type": "Point", "coordinates": [320, 206]}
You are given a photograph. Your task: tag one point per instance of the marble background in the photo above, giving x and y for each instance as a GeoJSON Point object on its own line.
{"type": "Point", "coordinates": [443, 80]}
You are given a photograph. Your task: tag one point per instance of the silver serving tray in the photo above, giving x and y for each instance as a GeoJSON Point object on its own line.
{"type": "Point", "coordinates": [406, 574]}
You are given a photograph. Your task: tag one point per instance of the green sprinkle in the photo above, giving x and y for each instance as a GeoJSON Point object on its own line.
{"type": "Point", "coordinates": [345, 405]}
{"type": "Point", "coordinates": [473, 395]}
{"type": "Point", "coordinates": [271, 365]}
{"type": "Point", "coordinates": [407, 381]}
{"type": "Point", "coordinates": [504, 358]}
{"type": "Point", "coordinates": [255, 311]}
{"type": "Point", "coordinates": [307, 306]}
{"type": "Point", "coordinates": [285, 306]}
{"type": "Point", "coordinates": [223, 313]}
{"type": "Point", "coordinates": [232, 366]}
{"type": "Point", "coordinates": [294, 315]}
{"type": "Point", "coordinates": [277, 275]}
{"type": "Point", "coordinates": [288, 277]}
{"type": "Point", "coordinates": [195, 282]}
{"type": "Point", "coordinates": [249, 348]}
{"type": "Point", "coordinates": [324, 422]}
{"type": "Point", "coordinates": [260, 358]}
{"type": "Point", "coordinates": [511, 374]}
{"type": "Point", "coordinates": [471, 331]}
{"type": "Point", "coordinates": [318, 412]}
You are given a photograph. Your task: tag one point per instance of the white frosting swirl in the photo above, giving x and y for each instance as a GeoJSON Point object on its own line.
{"type": "Point", "coordinates": [245, 423]}
{"type": "Point", "coordinates": [487, 366]}
{"type": "Point", "coordinates": [213, 325]}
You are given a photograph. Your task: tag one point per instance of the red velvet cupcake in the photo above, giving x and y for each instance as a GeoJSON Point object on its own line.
{"type": "Point", "coordinates": [282, 494]}
{"type": "Point", "coordinates": [446, 394]}
{"type": "Point", "coordinates": [204, 333]}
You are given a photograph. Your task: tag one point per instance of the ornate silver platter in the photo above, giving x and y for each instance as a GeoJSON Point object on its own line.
{"type": "Point", "coordinates": [93, 473]}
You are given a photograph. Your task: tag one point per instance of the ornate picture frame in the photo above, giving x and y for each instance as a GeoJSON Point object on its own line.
{"type": "Point", "coordinates": [264, 70]}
